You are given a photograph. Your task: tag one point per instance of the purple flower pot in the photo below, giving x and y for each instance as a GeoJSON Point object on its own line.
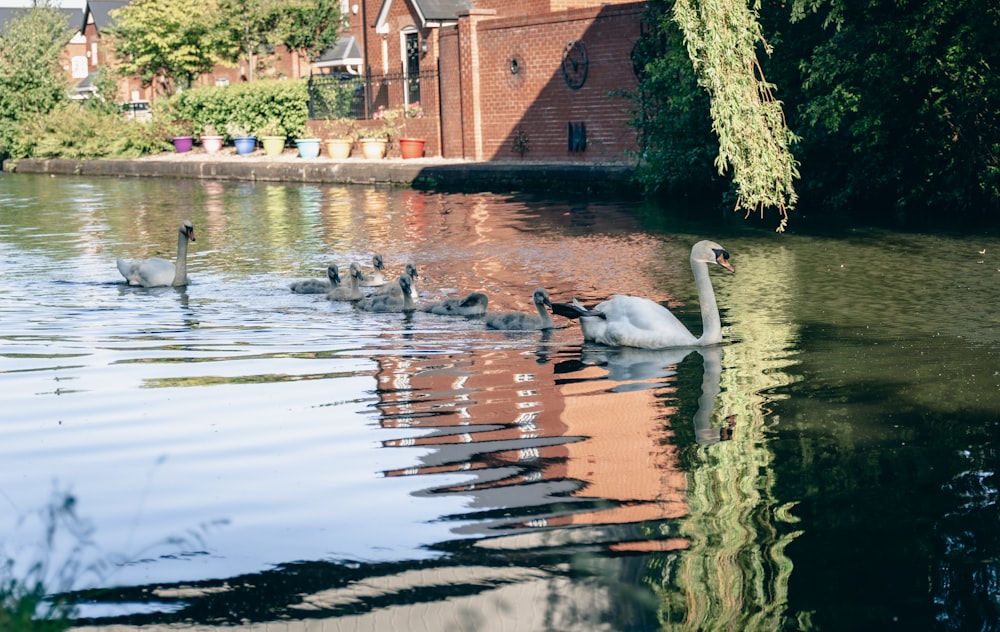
{"type": "Point", "coordinates": [183, 143]}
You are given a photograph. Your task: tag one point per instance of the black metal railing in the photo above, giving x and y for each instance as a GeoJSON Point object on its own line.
{"type": "Point", "coordinates": [350, 96]}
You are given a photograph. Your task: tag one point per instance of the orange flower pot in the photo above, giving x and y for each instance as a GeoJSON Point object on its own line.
{"type": "Point", "coordinates": [411, 147]}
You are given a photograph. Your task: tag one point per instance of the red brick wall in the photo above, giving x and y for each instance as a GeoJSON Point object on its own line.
{"type": "Point", "coordinates": [452, 145]}
{"type": "Point", "coordinates": [537, 99]}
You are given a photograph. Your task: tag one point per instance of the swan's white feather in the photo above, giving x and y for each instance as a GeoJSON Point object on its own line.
{"type": "Point", "coordinates": [150, 272]}
{"type": "Point", "coordinates": [632, 321]}
{"type": "Point", "coordinates": [155, 271]}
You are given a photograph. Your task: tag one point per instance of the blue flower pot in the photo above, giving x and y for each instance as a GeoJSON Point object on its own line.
{"type": "Point", "coordinates": [308, 147]}
{"type": "Point", "coordinates": [245, 145]}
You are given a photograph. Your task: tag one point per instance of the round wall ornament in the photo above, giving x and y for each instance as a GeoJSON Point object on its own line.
{"type": "Point", "coordinates": [574, 64]}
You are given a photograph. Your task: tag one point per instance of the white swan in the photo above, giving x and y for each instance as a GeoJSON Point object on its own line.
{"type": "Point", "coordinates": [155, 272]}
{"type": "Point", "coordinates": [374, 279]}
{"type": "Point", "coordinates": [403, 302]}
{"type": "Point", "coordinates": [393, 288]}
{"type": "Point", "coordinates": [318, 286]}
{"type": "Point", "coordinates": [352, 293]}
{"type": "Point", "coordinates": [516, 321]}
{"type": "Point", "coordinates": [473, 304]}
{"type": "Point", "coordinates": [631, 321]}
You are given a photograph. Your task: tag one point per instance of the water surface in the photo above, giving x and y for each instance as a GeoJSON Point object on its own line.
{"type": "Point", "coordinates": [242, 455]}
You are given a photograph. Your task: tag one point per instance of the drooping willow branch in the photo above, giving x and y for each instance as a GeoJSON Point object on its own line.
{"type": "Point", "coordinates": [722, 38]}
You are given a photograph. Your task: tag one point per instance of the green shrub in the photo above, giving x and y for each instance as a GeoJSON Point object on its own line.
{"type": "Point", "coordinates": [73, 132]}
{"type": "Point", "coordinates": [25, 607]}
{"type": "Point", "coordinates": [249, 106]}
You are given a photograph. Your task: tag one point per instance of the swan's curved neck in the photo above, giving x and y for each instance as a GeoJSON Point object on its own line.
{"type": "Point", "coordinates": [544, 315]}
{"type": "Point", "coordinates": [711, 326]}
{"type": "Point", "coordinates": [180, 266]}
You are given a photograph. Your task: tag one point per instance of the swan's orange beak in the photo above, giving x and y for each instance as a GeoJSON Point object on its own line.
{"type": "Point", "coordinates": [722, 258]}
{"type": "Point", "coordinates": [190, 233]}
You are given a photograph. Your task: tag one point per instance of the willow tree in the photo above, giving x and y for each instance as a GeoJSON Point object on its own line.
{"type": "Point", "coordinates": [722, 38]}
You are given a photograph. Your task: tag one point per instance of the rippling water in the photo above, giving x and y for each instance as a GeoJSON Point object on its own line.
{"type": "Point", "coordinates": [242, 455]}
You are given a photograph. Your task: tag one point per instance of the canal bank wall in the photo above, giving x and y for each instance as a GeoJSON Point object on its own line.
{"type": "Point", "coordinates": [424, 174]}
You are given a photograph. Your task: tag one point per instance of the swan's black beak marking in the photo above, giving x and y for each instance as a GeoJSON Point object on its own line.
{"type": "Point", "coordinates": [722, 258]}
{"type": "Point", "coordinates": [190, 233]}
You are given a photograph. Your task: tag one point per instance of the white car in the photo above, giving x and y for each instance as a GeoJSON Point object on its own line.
{"type": "Point", "coordinates": [136, 110]}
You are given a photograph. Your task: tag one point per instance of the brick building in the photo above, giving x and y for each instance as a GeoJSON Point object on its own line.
{"type": "Point", "coordinates": [497, 79]}
{"type": "Point", "coordinates": [539, 79]}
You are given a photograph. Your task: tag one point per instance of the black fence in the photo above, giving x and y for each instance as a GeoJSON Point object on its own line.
{"type": "Point", "coordinates": [350, 96]}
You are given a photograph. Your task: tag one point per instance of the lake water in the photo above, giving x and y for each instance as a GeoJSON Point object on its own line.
{"type": "Point", "coordinates": [232, 454]}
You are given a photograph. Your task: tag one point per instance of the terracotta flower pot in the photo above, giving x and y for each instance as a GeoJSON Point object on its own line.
{"type": "Point", "coordinates": [411, 147]}
{"type": "Point", "coordinates": [339, 148]}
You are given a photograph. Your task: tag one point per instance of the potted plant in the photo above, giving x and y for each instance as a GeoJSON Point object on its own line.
{"type": "Point", "coordinates": [308, 146]}
{"type": "Point", "coordinates": [410, 147]}
{"type": "Point", "coordinates": [376, 138]}
{"type": "Point", "coordinates": [272, 136]}
{"type": "Point", "coordinates": [245, 141]}
{"type": "Point", "coordinates": [182, 135]}
{"type": "Point", "coordinates": [338, 136]}
{"type": "Point", "coordinates": [211, 140]}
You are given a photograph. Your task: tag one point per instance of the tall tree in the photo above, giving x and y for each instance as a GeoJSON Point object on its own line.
{"type": "Point", "coordinates": [671, 113]}
{"type": "Point", "coordinates": [901, 100]}
{"type": "Point", "coordinates": [164, 42]}
{"type": "Point", "coordinates": [31, 79]}
{"type": "Point", "coordinates": [309, 27]}
{"type": "Point", "coordinates": [250, 23]}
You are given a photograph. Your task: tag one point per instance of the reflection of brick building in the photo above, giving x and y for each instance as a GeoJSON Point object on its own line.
{"type": "Point", "coordinates": [567, 454]}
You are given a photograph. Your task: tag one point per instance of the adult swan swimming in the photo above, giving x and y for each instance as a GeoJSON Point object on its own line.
{"type": "Point", "coordinates": [154, 272]}
{"type": "Point", "coordinates": [632, 321]}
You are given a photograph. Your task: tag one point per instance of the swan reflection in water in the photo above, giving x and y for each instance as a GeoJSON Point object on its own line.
{"type": "Point", "coordinates": [580, 437]}
{"type": "Point", "coordinates": [638, 368]}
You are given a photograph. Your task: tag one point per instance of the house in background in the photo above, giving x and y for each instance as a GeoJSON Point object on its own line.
{"type": "Point", "coordinates": [75, 53]}
{"type": "Point", "coordinates": [496, 79]}
{"type": "Point", "coordinates": [98, 18]}
{"type": "Point", "coordinates": [508, 79]}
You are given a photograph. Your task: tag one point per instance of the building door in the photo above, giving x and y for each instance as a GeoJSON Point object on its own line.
{"type": "Point", "coordinates": [412, 67]}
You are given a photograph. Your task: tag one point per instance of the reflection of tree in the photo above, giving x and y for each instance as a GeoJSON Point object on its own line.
{"type": "Point", "coordinates": [735, 573]}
